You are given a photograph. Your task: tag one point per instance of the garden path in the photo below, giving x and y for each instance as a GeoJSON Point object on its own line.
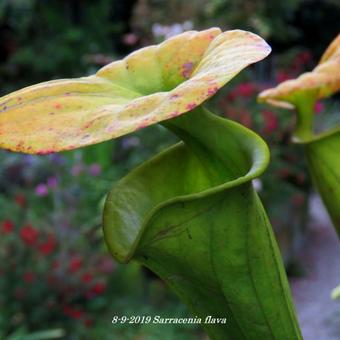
{"type": "Point", "coordinates": [318, 314]}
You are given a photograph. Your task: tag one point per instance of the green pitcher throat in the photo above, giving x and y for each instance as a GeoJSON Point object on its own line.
{"type": "Point", "coordinates": [191, 215]}
{"type": "Point", "coordinates": [323, 158]}
{"type": "Point", "coordinates": [322, 152]}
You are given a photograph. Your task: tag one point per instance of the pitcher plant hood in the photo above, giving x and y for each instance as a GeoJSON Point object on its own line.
{"type": "Point", "coordinates": [150, 85]}
{"type": "Point", "coordinates": [320, 83]}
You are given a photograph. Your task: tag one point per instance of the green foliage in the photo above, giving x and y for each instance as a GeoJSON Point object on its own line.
{"type": "Point", "coordinates": [56, 274]}
{"type": "Point", "coordinates": [269, 18]}
{"type": "Point", "coordinates": [54, 39]}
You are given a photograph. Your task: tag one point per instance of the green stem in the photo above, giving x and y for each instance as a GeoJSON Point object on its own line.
{"type": "Point", "coordinates": [305, 118]}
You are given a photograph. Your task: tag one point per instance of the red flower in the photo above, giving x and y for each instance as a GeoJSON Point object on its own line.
{"type": "Point", "coordinates": [29, 235]}
{"type": "Point", "coordinates": [246, 89]}
{"type": "Point", "coordinates": [20, 200]}
{"type": "Point", "coordinates": [7, 226]}
{"type": "Point", "coordinates": [47, 247]}
{"type": "Point", "coordinates": [231, 96]}
{"type": "Point", "coordinates": [72, 312]}
{"type": "Point", "coordinates": [283, 76]}
{"type": "Point", "coordinates": [75, 264]}
{"type": "Point", "coordinates": [99, 288]}
{"type": "Point", "coordinates": [29, 277]}
{"type": "Point", "coordinates": [87, 277]}
{"type": "Point", "coordinates": [319, 107]}
{"type": "Point", "coordinates": [270, 121]}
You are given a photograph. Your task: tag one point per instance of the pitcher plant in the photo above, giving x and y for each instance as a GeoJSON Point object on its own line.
{"type": "Point", "coordinates": [190, 214]}
{"type": "Point", "coordinates": [322, 149]}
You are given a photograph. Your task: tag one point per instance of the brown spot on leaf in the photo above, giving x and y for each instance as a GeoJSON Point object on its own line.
{"type": "Point", "coordinates": [187, 69]}
{"type": "Point", "coordinates": [212, 90]}
{"type": "Point", "coordinates": [174, 96]}
{"type": "Point", "coordinates": [191, 106]}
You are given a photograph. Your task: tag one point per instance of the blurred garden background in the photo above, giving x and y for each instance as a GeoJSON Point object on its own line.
{"type": "Point", "coordinates": [57, 279]}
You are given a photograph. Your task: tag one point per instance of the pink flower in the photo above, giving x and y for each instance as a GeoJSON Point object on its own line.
{"type": "Point", "coordinates": [105, 265]}
{"type": "Point", "coordinates": [77, 170]}
{"type": "Point", "coordinates": [130, 39]}
{"type": "Point", "coordinates": [41, 190]}
{"type": "Point", "coordinates": [52, 182]}
{"type": "Point", "coordinates": [319, 107]}
{"type": "Point", "coordinates": [95, 169]}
